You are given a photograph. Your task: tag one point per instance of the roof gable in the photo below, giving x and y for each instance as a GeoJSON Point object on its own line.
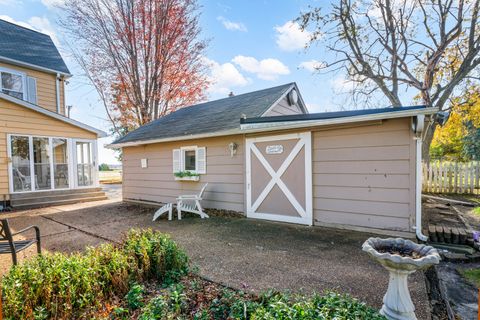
{"type": "Point", "coordinates": [213, 116]}
{"type": "Point", "coordinates": [20, 45]}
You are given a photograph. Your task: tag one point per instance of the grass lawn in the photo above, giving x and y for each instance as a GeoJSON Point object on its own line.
{"type": "Point", "coordinates": [477, 211]}
{"type": "Point", "coordinates": [110, 177]}
{"type": "Point", "coordinates": [472, 275]}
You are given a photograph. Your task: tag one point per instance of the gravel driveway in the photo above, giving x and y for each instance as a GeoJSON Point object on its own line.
{"type": "Point", "coordinates": [243, 253]}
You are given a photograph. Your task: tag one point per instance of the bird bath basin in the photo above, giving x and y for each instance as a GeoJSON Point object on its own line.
{"type": "Point", "coordinates": [401, 258]}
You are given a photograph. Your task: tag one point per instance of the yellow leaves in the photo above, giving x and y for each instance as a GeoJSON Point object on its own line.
{"type": "Point", "coordinates": [450, 137]}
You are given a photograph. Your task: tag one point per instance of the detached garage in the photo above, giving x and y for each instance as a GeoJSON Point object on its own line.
{"type": "Point", "coordinates": [264, 155]}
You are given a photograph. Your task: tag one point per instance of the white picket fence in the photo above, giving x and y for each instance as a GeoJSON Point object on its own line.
{"type": "Point", "coordinates": [451, 177]}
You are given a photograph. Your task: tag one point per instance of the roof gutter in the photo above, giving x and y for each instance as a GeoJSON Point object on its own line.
{"type": "Point", "coordinates": [33, 66]}
{"type": "Point", "coordinates": [176, 138]}
{"type": "Point", "coordinates": [271, 126]}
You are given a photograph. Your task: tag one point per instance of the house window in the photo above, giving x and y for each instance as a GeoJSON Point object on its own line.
{"type": "Point", "coordinates": [191, 159]}
{"type": "Point", "coordinates": [12, 83]}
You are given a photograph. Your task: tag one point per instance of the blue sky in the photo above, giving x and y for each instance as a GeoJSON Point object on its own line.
{"type": "Point", "coordinates": [253, 45]}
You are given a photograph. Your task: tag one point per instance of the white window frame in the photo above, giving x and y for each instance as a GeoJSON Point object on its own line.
{"type": "Point", "coordinates": [181, 161]}
{"type": "Point", "coordinates": [182, 158]}
{"type": "Point", "coordinates": [72, 163]}
{"type": "Point", "coordinates": [18, 73]}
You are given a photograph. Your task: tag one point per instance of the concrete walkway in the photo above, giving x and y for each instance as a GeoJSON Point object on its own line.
{"type": "Point", "coordinates": [243, 253]}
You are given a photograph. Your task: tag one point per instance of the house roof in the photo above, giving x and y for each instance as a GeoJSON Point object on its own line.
{"type": "Point", "coordinates": [52, 114]}
{"type": "Point", "coordinates": [243, 114]}
{"type": "Point", "coordinates": [22, 46]}
{"type": "Point", "coordinates": [213, 116]}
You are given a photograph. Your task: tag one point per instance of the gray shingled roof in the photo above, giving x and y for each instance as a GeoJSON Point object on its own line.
{"type": "Point", "coordinates": [208, 117]}
{"type": "Point", "coordinates": [28, 46]}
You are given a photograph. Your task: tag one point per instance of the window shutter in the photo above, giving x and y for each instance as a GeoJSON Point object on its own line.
{"type": "Point", "coordinates": [31, 90]}
{"type": "Point", "coordinates": [201, 157]}
{"type": "Point", "coordinates": [177, 164]}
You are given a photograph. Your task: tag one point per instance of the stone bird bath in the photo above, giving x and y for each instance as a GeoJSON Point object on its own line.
{"type": "Point", "coordinates": [401, 258]}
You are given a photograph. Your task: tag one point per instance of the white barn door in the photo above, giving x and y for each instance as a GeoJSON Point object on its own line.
{"type": "Point", "coordinates": [279, 178]}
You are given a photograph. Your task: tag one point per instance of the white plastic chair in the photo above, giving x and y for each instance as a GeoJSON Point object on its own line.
{"type": "Point", "coordinates": [188, 207]}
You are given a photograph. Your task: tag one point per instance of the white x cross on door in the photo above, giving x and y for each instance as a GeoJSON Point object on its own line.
{"type": "Point", "coordinates": [279, 178]}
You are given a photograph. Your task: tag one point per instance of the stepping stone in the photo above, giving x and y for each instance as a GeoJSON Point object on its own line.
{"type": "Point", "coordinates": [447, 234]}
{"type": "Point", "coordinates": [439, 230]}
{"type": "Point", "coordinates": [455, 236]}
{"type": "Point", "coordinates": [462, 236]}
{"type": "Point", "coordinates": [432, 234]}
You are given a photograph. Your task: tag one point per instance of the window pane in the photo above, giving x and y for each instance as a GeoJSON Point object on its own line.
{"type": "Point", "coordinates": [17, 95]}
{"type": "Point", "coordinates": [190, 160]}
{"type": "Point", "coordinates": [60, 163]}
{"type": "Point", "coordinates": [21, 163]}
{"type": "Point", "coordinates": [41, 163]}
{"type": "Point", "coordinates": [12, 82]}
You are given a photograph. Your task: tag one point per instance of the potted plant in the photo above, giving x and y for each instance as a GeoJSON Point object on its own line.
{"type": "Point", "coordinates": [186, 176]}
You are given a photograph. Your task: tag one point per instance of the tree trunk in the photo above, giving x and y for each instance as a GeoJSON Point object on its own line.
{"type": "Point", "coordinates": [428, 137]}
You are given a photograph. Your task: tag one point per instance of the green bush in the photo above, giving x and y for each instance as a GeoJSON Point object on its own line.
{"type": "Point", "coordinates": [330, 306]}
{"type": "Point", "coordinates": [156, 256]}
{"type": "Point", "coordinates": [134, 296]}
{"type": "Point", "coordinates": [270, 306]}
{"type": "Point", "coordinates": [67, 286]}
{"type": "Point", "coordinates": [103, 167]}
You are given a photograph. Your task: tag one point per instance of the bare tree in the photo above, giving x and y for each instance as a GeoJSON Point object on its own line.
{"type": "Point", "coordinates": [391, 48]}
{"type": "Point", "coordinates": [144, 57]}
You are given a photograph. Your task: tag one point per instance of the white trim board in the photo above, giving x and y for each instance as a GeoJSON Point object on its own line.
{"type": "Point", "coordinates": [28, 105]}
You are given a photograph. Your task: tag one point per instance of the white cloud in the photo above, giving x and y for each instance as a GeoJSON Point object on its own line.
{"type": "Point", "coordinates": [224, 77]}
{"type": "Point", "coordinates": [40, 24]}
{"type": "Point", "coordinates": [52, 4]}
{"type": "Point", "coordinates": [341, 84]}
{"type": "Point", "coordinates": [233, 26]}
{"type": "Point", "coordinates": [266, 69]}
{"type": "Point", "coordinates": [312, 65]}
{"type": "Point", "coordinates": [290, 37]}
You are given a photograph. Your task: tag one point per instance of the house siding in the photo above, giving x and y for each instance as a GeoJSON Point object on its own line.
{"type": "Point", "coordinates": [16, 119]}
{"type": "Point", "coordinates": [365, 176]}
{"type": "Point", "coordinates": [282, 108]}
{"type": "Point", "coordinates": [156, 183]}
{"type": "Point", "coordinates": [46, 87]}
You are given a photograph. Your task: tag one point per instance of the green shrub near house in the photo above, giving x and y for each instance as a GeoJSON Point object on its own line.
{"type": "Point", "coordinates": [66, 286]}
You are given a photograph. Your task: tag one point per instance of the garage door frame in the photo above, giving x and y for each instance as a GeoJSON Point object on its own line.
{"type": "Point", "coordinates": [305, 141]}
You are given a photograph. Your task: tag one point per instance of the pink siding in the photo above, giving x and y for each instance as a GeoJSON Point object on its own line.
{"type": "Point", "coordinates": [156, 183]}
{"type": "Point", "coordinates": [364, 176]}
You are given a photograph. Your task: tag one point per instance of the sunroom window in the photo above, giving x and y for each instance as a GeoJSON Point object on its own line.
{"type": "Point", "coordinates": [12, 84]}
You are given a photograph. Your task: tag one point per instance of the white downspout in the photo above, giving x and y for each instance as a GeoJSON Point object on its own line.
{"type": "Point", "coordinates": [418, 178]}
{"type": "Point", "coordinates": [57, 83]}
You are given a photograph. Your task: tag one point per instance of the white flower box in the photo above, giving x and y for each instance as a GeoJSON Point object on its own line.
{"type": "Point", "coordinates": [189, 178]}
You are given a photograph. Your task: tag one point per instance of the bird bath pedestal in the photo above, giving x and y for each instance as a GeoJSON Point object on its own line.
{"type": "Point", "coordinates": [401, 258]}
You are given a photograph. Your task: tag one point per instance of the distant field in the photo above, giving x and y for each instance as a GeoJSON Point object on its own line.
{"type": "Point", "coordinates": [114, 176]}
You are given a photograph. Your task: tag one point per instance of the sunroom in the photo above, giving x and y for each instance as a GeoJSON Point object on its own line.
{"type": "Point", "coordinates": [40, 163]}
